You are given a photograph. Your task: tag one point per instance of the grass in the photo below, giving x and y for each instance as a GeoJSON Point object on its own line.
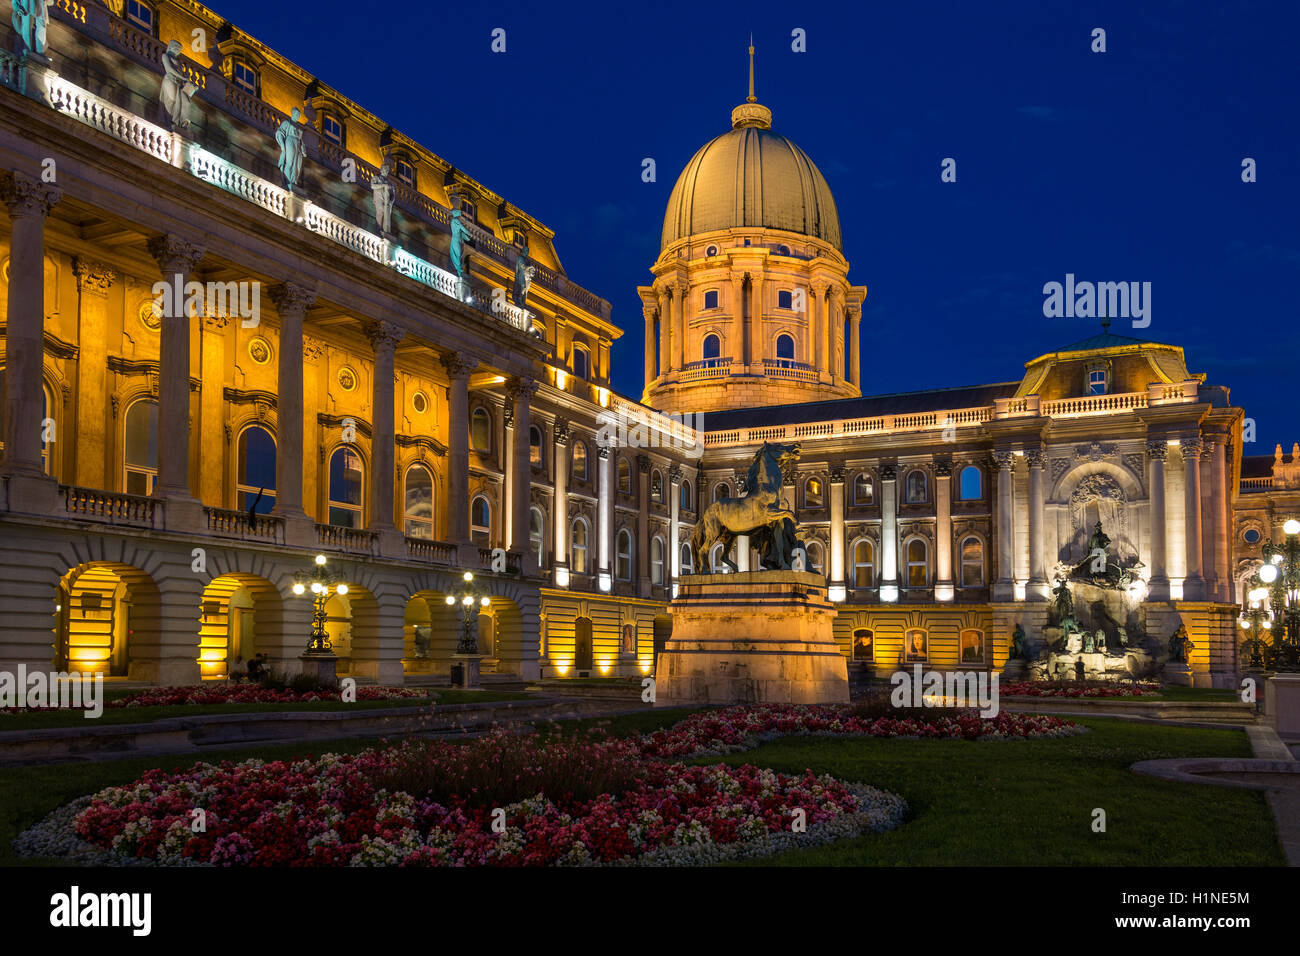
{"type": "Point", "coordinates": [35, 719]}
{"type": "Point", "coordinates": [1020, 802]}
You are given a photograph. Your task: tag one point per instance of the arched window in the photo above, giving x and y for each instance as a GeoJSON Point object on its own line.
{"type": "Point", "coordinates": [624, 476]}
{"type": "Point", "coordinates": [918, 565]}
{"type": "Point", "coordinates": [972, 646]}
{"type": "Point", "coordinates": [715, 559]}
{"type": "Point", "coordinates": [47, 402]}
{"type": "Point", "coordinates": [347, 478]}
{"type": "Point", "coordinates": [534, 446]}
{"type": "Point", "coordinates": [141, 447]}
{"type": "Point", "coordinates": [623, 556]}
{"type": "Point", "coordinates": [537, 534]}
{"type": "Point", "coordinates": [256, 470]}
{"type": "Point", "coordinates": [686, 495]}
{"type": "Point", "coordinates": [813, 496]}
{"type": "Point", "coordinates": [785, 350]}
{"type": "Point", "coordinates": [657, 561]}
{"type": "Point", "coordinates": [721, 492]}
{"type": "Point", "coordinates": [971, 484]}
{"type": "Point", "coordinates": [581, 361]}
{"type": "Point", "coordinates": [579, 470]}
{"type": "Point", "coordinates": [863, 644]}
{"type": "Point", "coordinates": [916, 644]}
{"type": "Point", "coordinates": [916, 491]}
{"type": "Point", "coordinates": [864, 565]}
{"type": "Point", "coordinates": [578, 546]}
{"type": "Point", "coordinates": [863, 490]}
{"type": "Point", "coordinates": [815, 556]}
{"type": "Point", "coordinates": [480, 521]}
{"type": "Point", "coordinates": [687, 565]}
{"type": "Point", "coordinates": [712, 350]}
{"type": "Point", "coordinates": [656, 486]}
{"type": "Point", "coordinates": [480, 430]}
{"type": "Point", "coordinates": [417, 506]}
{"type": "Point", "coordinates": [972, 562]}
{"type": "Point", "coordinates": [628, 644]}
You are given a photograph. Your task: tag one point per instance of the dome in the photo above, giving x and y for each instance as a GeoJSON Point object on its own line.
{"type": "Point", "coordinates": [751, 176]}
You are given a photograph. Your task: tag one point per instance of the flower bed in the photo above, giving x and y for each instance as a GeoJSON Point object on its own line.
{"type": "Point", "coordinates": [740, 728]}
{"type": "Point", "coordinates": [340, 810]}
{"type": "Point", "coordinates": [251, 694]}
{"type": "Point", "coordinates": [1069, 688]}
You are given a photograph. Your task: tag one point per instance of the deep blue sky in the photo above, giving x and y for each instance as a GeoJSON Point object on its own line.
{"type": "Point", "coordinates": [1117, 166]}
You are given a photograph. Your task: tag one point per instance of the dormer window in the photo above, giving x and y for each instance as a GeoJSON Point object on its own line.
{"type": "Point", "coordinates": [1098, 380]}
{"type": "Point", "coordinates": [404, 172]}
{"type": "Point", "coordinates": [331, 128]}
{"type": "Point", "coordinates": [469, 210]}
{"type": "Point", "coordinates": [244, 76]}
{"type": "Point", "coordinates": [141, 15]}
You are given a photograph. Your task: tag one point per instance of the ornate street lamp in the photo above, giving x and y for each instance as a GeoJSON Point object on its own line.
{"type": "Point", "coordinates": [319, 658]}
{"type": "Point", "coordinates": [471, 600]}
{"type": "Point", "coordinates": [1278, 584]}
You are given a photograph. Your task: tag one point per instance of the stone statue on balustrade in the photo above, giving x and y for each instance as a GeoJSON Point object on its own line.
{"type": "Point", "coordinates": [31, 18]}
{"type": "Point", "coordinates": [289, 136]}
{"type": "Point", "coordinates": [523, 277]}
{"type": "Point", "coordinates": [177, 89]}
{"type": "Point", "coordinates": [758, 514]}
{"type": "Point", "coordinates": [384, 195]}
{"type": "Point", "coordinates": [461, 239]}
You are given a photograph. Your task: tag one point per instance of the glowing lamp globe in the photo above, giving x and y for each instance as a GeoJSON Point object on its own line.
{"type": "Point", "coordinates": [298, 588]}
{"type": "Point", "coordinates": [469, 576]}
{"type": "Point", "coordinates": [343, 589]}
{"type": "Point", "coordinates": [1268, 574]}
{"type": "Point", "coordinates": [485, 602]}
{"type": "Point", "coordinates": [468, 600]}
{"type": "Point", "coordinates": [451, 599]}
{"type": "Point", "coordinates": [320, 559]}
{"type": "Point", "coordinates": [1291, 527]}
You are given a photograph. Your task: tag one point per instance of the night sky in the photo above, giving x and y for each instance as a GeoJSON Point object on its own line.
{"type": "Point", "coordinates": [1122, 166]}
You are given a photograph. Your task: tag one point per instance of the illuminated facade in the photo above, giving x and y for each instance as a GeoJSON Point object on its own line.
{"type": "Point", "coordinates": [339, 388]}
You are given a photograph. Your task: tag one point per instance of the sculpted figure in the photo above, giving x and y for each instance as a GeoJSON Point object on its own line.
{"type": "Point", "coordinates": [31, 18]}
{"type": "Point", "coordinates": [460, 239]}
{"type": "Point", "coordinates": [1019, 643]}
{"type": "Point", "coordinates": [758, 513]}
{"type": "Point", "coordinates": [523, 276]}
{"type": "Point", "coordinates": [384, 195]}
{"type": "Point", "coordinates": [289, 136]}
{"type": "Point", "coordinates": [176, 90]}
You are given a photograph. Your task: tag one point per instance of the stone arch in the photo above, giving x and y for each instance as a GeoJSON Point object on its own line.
{"type": "Point", "coordinates": [1092, 491]}
{"type": "Point", "coordinates": [516, 609]}
{"type": "Point", "coordinates": [234, 611]}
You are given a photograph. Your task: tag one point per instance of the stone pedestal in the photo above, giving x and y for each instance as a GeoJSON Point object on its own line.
{"type": "Point", "coordinates": [467, 667]}
{"type": "Point", "coordinates": [1178, 674]}
{"type": "Point", "coordinates": [322, 666]}
{"type": "Point", "coordinates": [1014, 669]}
{"type": "Point", "coordinates": [752, 637]}
{"type": "Point", "coordinates": [1282, 701]}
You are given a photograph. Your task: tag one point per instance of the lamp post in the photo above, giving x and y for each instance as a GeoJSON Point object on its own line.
{"type": "Point", "coordinates": [471, 600]}
{"type": "Point", "coordinates": [1279, 584]}
{"type": "Point", "coordinates": [319, 659]}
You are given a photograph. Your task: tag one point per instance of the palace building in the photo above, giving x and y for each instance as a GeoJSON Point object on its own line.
{"type": "Point", "coordinates": [360, 386]}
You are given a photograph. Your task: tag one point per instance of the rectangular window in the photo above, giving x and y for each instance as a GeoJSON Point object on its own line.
{"type": "Point", "coordinates": [245, 77]}
{"type": "Point", "coordinates": [784, 299]}
{"type": "Point", "coordinates": [711, 299]}
{"type": "Point", "coordinates": [1097, 381]}
{"type": "Point", "coordinates": [405, 172]}
{"type": "Point", "coordinates": [469, 210]}
{"type": "Point", "coordinates": [332, 129]}
{"type": "Point", "coordinates": [140, 14]}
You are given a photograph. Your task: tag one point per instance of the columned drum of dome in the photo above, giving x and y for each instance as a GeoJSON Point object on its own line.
{"type": "Point", "coordinates": [751, 303]}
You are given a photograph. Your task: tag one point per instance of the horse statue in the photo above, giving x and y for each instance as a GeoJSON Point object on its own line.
{"type": "Point", "coordinates": [757, 513]}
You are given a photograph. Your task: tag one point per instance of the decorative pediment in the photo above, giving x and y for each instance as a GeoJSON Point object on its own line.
{"type": "Point", "coordinates": [1095, 451]}
{"type": "Point", "coordinates": [423, 442]}
{"type": "Point", "coordinates": [336, 421]}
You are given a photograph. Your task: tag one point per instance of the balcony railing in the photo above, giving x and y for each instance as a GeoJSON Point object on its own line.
{"type": "Point", "coordinates": [237, 524]}
{"type": "Point", "coordinates": [706, 369]}
{"type": "Point", "coordinates": [108, 507]}
{"type": "Point", "coordinates": [789, 369]}
{"type": "Point", "coordinates": [1095, 404]}
{"type": "Point", "coordinates": [348, 540]}
{"type": "Point", "coordinates": [426, 549]}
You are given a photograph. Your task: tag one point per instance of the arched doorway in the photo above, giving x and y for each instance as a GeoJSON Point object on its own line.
{"type": "Point", "coordinates": [238, 616]}
{"type": "Point", "coordinates": [582, 651]}
{"type": "Point", "coordinates": [96, 608]}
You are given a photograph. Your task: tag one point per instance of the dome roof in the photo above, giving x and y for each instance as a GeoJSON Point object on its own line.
{"type": "Point", "coordinates": [751, 176]}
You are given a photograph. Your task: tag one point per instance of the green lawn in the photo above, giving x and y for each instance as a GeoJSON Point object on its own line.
{"type": "Point", "coordinates": [975, 803]}
{"type": "Point", "coordinates": [138, 715]}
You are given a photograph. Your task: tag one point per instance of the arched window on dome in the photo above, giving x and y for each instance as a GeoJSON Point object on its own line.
{"type": "Point", "coordinates": [712, 351]}
{"type": "Point", "coordinates": [785, 350]}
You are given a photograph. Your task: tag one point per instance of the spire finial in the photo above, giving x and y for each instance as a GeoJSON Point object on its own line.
{"type": "Point", "coordinates": [1105, 323]}
{"type": "Point", "coordinates": [751, 98]}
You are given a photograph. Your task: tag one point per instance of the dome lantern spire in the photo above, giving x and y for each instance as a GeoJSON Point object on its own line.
{"type": "Point", "coordinates": [751, 112]}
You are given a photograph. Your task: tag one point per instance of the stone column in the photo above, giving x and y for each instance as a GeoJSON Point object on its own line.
{"type": "Point", "coordinates": [521, 392]}
{"type": "Point", "coordinates": [1222, 521]}
{"type": "Point", "coordinates": [888, 532]}
{"type": "Point", "coordinates": [835, 326]}
{"type": "Point", "coordinates": [176, 258]}
{"type": "Point", "coordinates": [93, 282]}
{"type": "Point", "coordinates": [679, 325]}
{"type": "Point", "coordinates": [737, 346]}
{"type": "Point", "coordinates": [1158, 585]}
{"type": "Point", "coordinates": [817, 330]}
{"type": "Point", "coordinates": [754, 330]}
{"type": "Point", "coordinates": [458, 366]}
{"type": "Point", "coordinates": [648, 313]}
{"type": "Point", "coordinates": [384, 337]}
{"type": "Point", "coordinates": [1004, 588]}
{"type": "Point", "coordinates": [1037, 589]}
{"type": "Point", "coordinates": [1193, 584]}
{"type": "Point", "coordinates": [837, 575]}
{"type": "Point", "coordinates": [214, 443]}
{"type": "Point", "coordinates": [291, 303]}
{"type": "Point", "coordinates": [943, 584]}
{"type": "Point", "coordinates": [604, 512]}
{"type": "Point", "coordinates": [855, 349]}
{"type": "Point", "coordinates": [643, 528]}
{"type": "Point", "coordinates": [560, 516]}
{"type": "Point", "coordinates": [665, 331]}
{"type": "Point", "coordinates": [29, 202]}
{"type": "Point", "coordinates": [674, 509]}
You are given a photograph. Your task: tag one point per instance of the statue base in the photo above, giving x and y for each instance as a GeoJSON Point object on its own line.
{"type": "Point", "coordinates": [755, 637]}
{"type": "Point", "coordinates": [322, 665]}
{"type": "Point", "coordinates": [1178, 674]}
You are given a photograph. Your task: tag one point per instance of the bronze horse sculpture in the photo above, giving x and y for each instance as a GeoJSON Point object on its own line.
{"type": "Point", "coordinates": [758, 514]}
